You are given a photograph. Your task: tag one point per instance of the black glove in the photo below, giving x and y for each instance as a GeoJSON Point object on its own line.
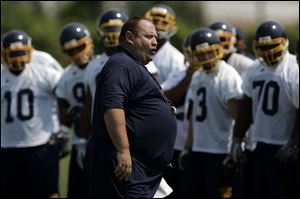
{"type": "Point", "coordinates": [289, 152]}
{"type": "Point", "coordinates": [75, 113]}
{"type": "Point", "coordinates": [183, 157]}
{"type": "Point", "coordinates": [61, 140]}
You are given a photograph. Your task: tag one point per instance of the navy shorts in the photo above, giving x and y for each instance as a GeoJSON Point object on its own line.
{"type": "Point", "coordinates": [203, 176]}
{"type": "Point", "coordinates": [271, 179]}
{"type": "Point", "coordinates": [29, 172]}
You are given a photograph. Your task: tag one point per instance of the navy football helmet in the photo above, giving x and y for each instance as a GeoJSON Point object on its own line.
{"type": "Point", "coordinates": [206, 49]}
{"type": "Point", "coordinates": [186, 48]}
{"type": "Point", "coordinates": [16, 49]}
{"type": "Point", "coordinates": [270, 42]}
{"type": "Point", "coordinates": [227, 34]}
{"type": "Point", "coordinates": [76, 43]}
{"type": "Point", "coordinates": [164, 19]}
{"type": "Point", "coordinates": [109, 27]}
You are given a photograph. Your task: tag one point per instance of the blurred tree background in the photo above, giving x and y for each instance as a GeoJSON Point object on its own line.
{"type": "Point", "coordinates": [44, 20]}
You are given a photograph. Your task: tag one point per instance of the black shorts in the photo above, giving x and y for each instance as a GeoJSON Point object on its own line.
{"type": "Point", "coordinates": [29, 172]}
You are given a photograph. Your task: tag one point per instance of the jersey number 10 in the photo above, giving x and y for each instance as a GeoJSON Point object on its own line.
{"type": "Point", "coordinates": [25, 93]}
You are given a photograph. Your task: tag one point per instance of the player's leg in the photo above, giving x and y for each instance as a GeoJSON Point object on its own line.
{"type": "Point", "coordinates": [45, 168]}
{"type": "Point", "coordinates": [76, 182]}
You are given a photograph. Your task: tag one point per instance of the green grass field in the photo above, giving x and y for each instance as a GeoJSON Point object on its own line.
{"type": "Point", "coordinates": [63, 176]}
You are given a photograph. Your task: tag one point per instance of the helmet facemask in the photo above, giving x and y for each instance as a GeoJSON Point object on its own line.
{"type": "Point", "coordinates": [270, 51]}
{"type": "Point", "coordinates": [206, 57]}
{"type": "Point", "coordinates": [17, 55]}
{"type": "Point", "coordinates": [227, 41]}
{"type": "Point", "coordinates": [110, 32]}
{"type": "Point", "coordinates": [79, 51]}
{"type": "Point", "coordinates": [164, 22]}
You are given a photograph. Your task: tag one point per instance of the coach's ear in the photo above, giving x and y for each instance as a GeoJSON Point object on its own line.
{"type": "Point", "coordinates": [129, 37]}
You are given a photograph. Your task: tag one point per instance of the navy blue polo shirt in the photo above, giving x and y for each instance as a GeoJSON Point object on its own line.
{"type": "Point", "coordinates": [125, 83]}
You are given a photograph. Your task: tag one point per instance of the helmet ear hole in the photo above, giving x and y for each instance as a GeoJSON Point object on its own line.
{"type": "Point", "coordinates": [16, 49]}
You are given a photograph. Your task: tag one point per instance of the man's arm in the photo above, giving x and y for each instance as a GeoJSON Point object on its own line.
{"type": "Point", "coordinates": [116, 127]}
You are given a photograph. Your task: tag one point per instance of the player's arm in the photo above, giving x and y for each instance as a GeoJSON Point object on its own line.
{"type": "Point", "coordinates": [241, 111]}
{"type": "Point", "coordinates": [178, 92]}
{"type": "Point", "coordinates": [85, 119]}
{"type": "Point", "coordinates": [64, 117]}
{"type": "Point", "coordinates": [243, 117]}
{"type": "Point", "coordinates": [296, 128]}
{"type": "Point", "coordinates": [233, 105]}
{"type": "Point", "coordinates": [189, 139]}
{"type": "Point", "coordinates": [184, 154]}
{"type": "Point", "coordinates": [289, 152]}
{"type": "Point", "coordinates": [116, 127]}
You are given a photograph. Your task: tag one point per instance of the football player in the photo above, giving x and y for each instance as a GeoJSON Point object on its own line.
{"type": "Point", "coordinates": [175, 88]}
{"type": "Point", "coordinates": [30, 164]}
{"type": "Point", "coordinates": [227, 35]}
{"type": "Point", "coordinates": [47, 60]}
{"type": "Point", "coordinates": [76, 43]}
{"type": "Point", "coordinates": [109, 27]}
{"type": "Point", "coordinates": [167, 58]}
{"type": "Point", "coordinates": [268, 102]}
{"type": "Point", "coordinates": [240, 43]}
{"type": "Point", "coordinates": [213, 96]}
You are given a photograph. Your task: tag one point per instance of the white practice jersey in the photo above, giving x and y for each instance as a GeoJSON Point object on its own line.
{"type": "Point", "coordinates": [151, 67]}
{"type": "Point", "coordinates": [240, 62]}
{"type": "Point", "coordinates": [295, 88]}
{"type": "Point", "coordinates": [211, 122]}
{"type": "Point", "coordinates": [168, 60]}
{"type": "Point", "coordinates": [271, 90]}
{"type": "Point", "coordinates": [182, 123]}
{"type": "Point", "coordinates": [71, 87]}
{"type": "Point", "coordinates": [26, 101]}
{"type": "Point", "coordinates": [93, 69]}
{"type": "Point", "coordinates": [46, 59]}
